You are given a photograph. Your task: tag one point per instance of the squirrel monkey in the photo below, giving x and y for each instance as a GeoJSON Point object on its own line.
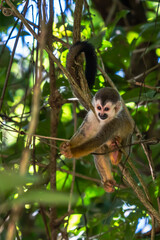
{"type": "Point", "coordinates": [103, 131]}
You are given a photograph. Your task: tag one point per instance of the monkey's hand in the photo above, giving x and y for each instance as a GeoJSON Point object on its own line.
{"type": "Point", "coordinates": [109, 185]}
{"type": "Point", "coordinates": [65, 150]}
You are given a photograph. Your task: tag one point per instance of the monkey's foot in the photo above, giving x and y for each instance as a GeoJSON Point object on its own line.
{"type": "Point", "coordinates": [66, 150]}
{"type": "Point", "coordinates": [115, 143]}
{"type": "Point", "coordinates": [116, 155]}
{"type": "Point", "coordinates": [109, 185]}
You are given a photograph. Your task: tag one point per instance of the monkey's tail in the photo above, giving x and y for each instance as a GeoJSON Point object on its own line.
{"type": "Point", "coordinates": [91, 60]}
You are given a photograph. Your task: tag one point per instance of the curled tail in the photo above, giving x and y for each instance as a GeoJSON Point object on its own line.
{"type": "Point", "coordinates": [91, 61]}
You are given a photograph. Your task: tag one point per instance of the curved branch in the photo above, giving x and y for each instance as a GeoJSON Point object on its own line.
{"type": "Point", "coordinates": [139, 192]}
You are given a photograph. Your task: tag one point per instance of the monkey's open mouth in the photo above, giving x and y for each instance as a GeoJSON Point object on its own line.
{"type": "Point", "coordinates": [103, 117]}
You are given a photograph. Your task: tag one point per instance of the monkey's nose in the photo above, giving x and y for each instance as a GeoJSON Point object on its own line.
{"type": "Point", "coordinates": [103, 116]}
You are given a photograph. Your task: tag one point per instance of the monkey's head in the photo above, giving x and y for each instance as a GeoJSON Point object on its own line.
{"type": "Point", "coordinates": [107, 104]}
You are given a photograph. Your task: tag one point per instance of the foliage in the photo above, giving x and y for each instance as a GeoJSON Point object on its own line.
{"type": "Point", "coordinates": [129, 54]}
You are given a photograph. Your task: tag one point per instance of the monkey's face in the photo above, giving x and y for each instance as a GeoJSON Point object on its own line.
{"type": "Point", "coordinates": [106, 112]}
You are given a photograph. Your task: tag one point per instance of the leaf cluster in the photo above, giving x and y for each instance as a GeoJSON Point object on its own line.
{"type": "Point", "coordinates": [130, 56]}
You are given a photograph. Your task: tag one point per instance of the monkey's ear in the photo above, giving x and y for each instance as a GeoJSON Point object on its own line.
{"type": "Point", "coordinates": [118, 107]}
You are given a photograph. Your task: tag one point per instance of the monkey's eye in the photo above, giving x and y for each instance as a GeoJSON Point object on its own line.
{"type": "Point", "coordinates": [106, 109]}
{"type": "Point", "coordinates": [99, 107]}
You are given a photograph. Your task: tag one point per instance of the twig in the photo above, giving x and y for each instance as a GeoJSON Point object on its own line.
{"type": "Point", "coordinates": [139, 192]}
{"type": "Point", "coordinates": [156, 89]}
{"type": "Point", "coordinates": [137, 174]}
{"type": "Point", "coordinates": [16, 209]}
{"type": "Point", "coordinates": [80, 175]}
{"type": "Point", "coordinates": [76, 37]}
{"type": "Point", "coordinates": [144, 146]}
{"type": "Point", "coordinates": [74, 161]}
{"type": "Point", "coordinates": [61, 41]}
{"type": "Point", "coordinates": [82, 94]}
{"type": "Point", "coordinates": [51, 138]}
{"type": "Point", "coordinates": [55, 103]}
{"type": "Point", "coordinates": [10, 65]}
{"type": "Point", "coordinates": [77, 20]}
{"type": "Point", "coordinates": [133, 80]}
{"type": "Point", "coordinates": [74, 165]}
{"type": "Point", "coordinates": [45, 222]}
{"type": "Point", "coordinates": [63, 19]}
{"type": "Point", "coordinates": [150, 141]}
{"type": "Point", "coordinates": [153, 228]}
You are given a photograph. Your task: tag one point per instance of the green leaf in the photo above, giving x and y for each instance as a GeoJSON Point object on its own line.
{"type": "Point", "coordinates": [25, 33]}
{"type": "Point", "coordinates": [4, 56]}
{"type": "Point", "coordinates": [12, 180]}
{"type": "Point", "coordinates": [111, 27]}
{"type": "Point", "coordinates": [45, 197]}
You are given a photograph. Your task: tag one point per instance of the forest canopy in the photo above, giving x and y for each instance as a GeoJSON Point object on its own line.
{"type": "Point", "coordinates": [43, 194]}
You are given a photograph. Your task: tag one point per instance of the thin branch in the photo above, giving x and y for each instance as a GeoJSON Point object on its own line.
{"type": "Point", "coordinates": [11, 61]}
{"type": "Point", "coordinates": [156, 89]}
{"type": "Point", "coordinates": [76, 37]}
{"type": "Point", "coordinates": [74, 161]}
{"type": "Point", "coordinates": [134, 79]}
{"type": "Point", "coordinates": [138, 175]}
{"type": "Point", "coordinates": [55, 103]}
{"type": "Point", "coordinates": [139, 192]}
{"type": "Point", "coordinates": [63, 19]}
{"type": "Point", "coordinates": [51, 138]}
{"type": "Point", "coordinates": [83, 94]}
{"type": "Point", "coordinates": [77, 20]}
{"type": "Point", "coordinates": [42, 212]}
{"type": "Point", "coordinates": [149, 141]}
{"type": "Point", "coordinates": [61, 41]}
{"type": "Point", "coordinates": [144, 146]}
{"type": "Point", "coordinates": [80, 175]}
{"type": "Point", "coordinates": [16, 209]}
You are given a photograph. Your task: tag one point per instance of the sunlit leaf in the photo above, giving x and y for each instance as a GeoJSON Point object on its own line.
{"type": "Point", "coordinates": [12, 180]}
{"type": "Point", "coordinates": [45, 197]}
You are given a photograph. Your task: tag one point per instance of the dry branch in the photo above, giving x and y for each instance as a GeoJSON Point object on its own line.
{"type": "Point", "coordinates": [139, 192]}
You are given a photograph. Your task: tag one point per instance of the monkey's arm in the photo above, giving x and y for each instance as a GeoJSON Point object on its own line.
{"type": "Point", "coordinates": [80, 136]}
{"type": "Point", "coordinates": [70, 149]}
{"type": "Point", "coordinates": [116, 127]}
{"type": "Point", "coordinates": [119, 126]}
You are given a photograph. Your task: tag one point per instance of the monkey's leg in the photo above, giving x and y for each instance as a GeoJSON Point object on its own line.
{"type": "Point", "coordinates": [102, 164]}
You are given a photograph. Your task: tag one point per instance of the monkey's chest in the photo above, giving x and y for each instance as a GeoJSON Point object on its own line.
{"type": "Point", "coordinates": [92, 129]}
{"type": "Point", "coordinates": [92, 126]}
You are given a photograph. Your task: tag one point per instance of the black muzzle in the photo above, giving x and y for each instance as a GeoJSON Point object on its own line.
{"type": "Point", "coordinates": [103, 116]}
